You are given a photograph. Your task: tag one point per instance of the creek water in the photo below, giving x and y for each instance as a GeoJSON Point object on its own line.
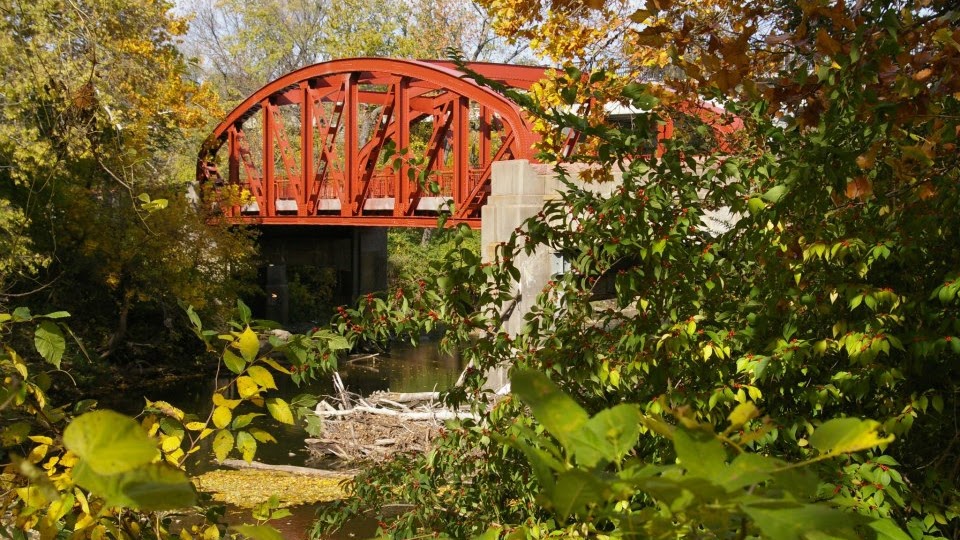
{"type": "Point", "coordinates": [403, 369]}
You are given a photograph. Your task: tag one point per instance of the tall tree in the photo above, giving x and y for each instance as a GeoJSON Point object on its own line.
{"type": "Point", "coordinates": [97, 111]}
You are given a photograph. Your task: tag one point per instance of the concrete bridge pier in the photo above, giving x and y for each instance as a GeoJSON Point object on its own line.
{"type": "Point", "coordinates": [357, 255]}
{"type": "Point", "coordinates": [517, 194]}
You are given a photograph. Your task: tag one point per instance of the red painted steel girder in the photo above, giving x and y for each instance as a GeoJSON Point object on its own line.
{"type": "Point", "coordinates": [327, 175]}
{"type": "Point", "coordinates": [323, 173]}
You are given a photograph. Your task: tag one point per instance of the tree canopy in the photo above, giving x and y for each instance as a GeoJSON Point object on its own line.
{"type": "Point", "coordinates": [100, 126]}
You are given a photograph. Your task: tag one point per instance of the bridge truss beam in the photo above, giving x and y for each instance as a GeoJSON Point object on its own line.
{"type": "Point", "coordinates": [367, 141]}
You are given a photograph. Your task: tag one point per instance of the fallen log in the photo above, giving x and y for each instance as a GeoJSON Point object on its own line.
{"type": "Point", "coordinates": [305, 471]}
{"type": "Point", "coordinates": [404, 397]}
{"type": "Point", "coordinates": [441, 414]}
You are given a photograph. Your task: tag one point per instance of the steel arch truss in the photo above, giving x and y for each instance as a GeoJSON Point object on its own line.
{"type": "Point", "coordinates": [367, 141]}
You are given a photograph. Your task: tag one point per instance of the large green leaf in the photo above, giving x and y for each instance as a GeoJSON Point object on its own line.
{"type": "Point", "coordinates": [258, 532]}
{"type": "Point", "coordinates": [233, 362]}
{"type": "Point", "coordinates": [154, 486]}
{"type": "Point", "coordinates": [746, 470]}
{"type": "Point", "coordinates": [700, 453]}
{"type": "Point", "coordinates": [886, 529]}
{"type": "Point", "coordinates": [50, 342]}
{"type": "Point", "coordinates": [109, 442]}
{"type": "Point", "coordinates": [786, 521]}
{"type": "Point", "coordinates": [558, 412]}
{"type": "Point", "coordinates": [279, 410]}
{"type": "Point", "coordinates": [616, 428]}
{"type": "Point", "coordinates": [575, 489]}
{"type": "Point", "coordinates": [247, 446]}
{"type": "Point", "coordinates": [543, 463]}
{"type": "Point", "coordinates": [845, 435]}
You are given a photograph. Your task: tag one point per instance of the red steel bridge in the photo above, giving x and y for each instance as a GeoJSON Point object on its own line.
{"type": "Point", "coordinates": [348, 142]}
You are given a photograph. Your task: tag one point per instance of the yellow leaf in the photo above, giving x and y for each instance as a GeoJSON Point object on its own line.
{"type": "Point", "coordinates": [262, 377]}
{"type": "Point", "coordinates": [169, 444]}
{"type": "Point", "coordinates": [195, 426]}
{"type": "Point", "coordinates": [38, 453]}
{"type": "Point", "coordinates": [211, 533]}
{"type": "Point", "coordinates": [174, 457]}
{"type": "Point", "coordinates": [222, 444]}
{"type": "Point", "coordinates": [82, 499]}
{"type": "Point", "coordinates": [85, 521]}
{"type": "Point", "coordinates": [222, 417]}
{"type": "Point", "coordinates": [273, 363]}
{"type": "Point", "coordinates": [246, 387]}
{"type": "Point", "coordinates": [248, 344]}
{"type": "Point", "coordinates": [221, 401]}
{"type": "Point", "coordinates": [279, 410]}
{"type": "Point", "coordinates": [742, 414]}
{"type": "Point", "coordinates": [166, 409]}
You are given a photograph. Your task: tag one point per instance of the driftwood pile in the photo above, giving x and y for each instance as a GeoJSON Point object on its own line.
{"type": "Point", "coordinates": [357, 428]}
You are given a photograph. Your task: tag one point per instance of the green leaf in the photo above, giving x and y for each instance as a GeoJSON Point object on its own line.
{"type": "Point", "coordinates": [49, 342]}
{"type": "Point", "coordinates": [887, 529]}
{"type": "Point", "coordinates": [109, 442]}
{"type": "Point", "coordinates": [247, 446]}
{"type": "Point", "coordinates": [244, 420]}
{"type": "Point", "coordinates": [559, 413]}
{"type": "Point", "coordinates": [746, 470]}
{"type": "Point", "coordinates": [150, 487]}
{"type": "Point", "coordinates": [845, 435]}
{"type": "Point", "coordinates": [262, 376]}
{"type": "Point", "coordinates": [444, 283]}
{"type": "Point", "coordinates": [14, 433]}
{"type": "Point", "coordinates": [543, 463]}
{"type": "Point", "coordinates": [617, 429]}
{"type": "Point", "coordinates": [222, 444]}
{"type": "Point", "coordinates": [249, 344]}
{"type": "Point", "coordinates": [194, 318]}
{"type": "Point", "coordinates": [262, 435]}
{"type": "Point", "coordinates": [279, 410]}
{"type": "Point", "coordinates": [700, 453]}
{"type": "Point", "coordinates": [244, 312]}
{"type": "Point", "coordinates": [785, 521]}
{"type": "Point", "coordinates": [775, 193]}
{"type": "Point", "coordinates": [258, 532]}
{"type": "Point", "coordinates": [56, 315]}
{"type": "Point", "coordinates": [233, 362]}
{"type": "Point", "coordinates": [337, 342]}
{"type": "Point", "coordinates": [576, 489]}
